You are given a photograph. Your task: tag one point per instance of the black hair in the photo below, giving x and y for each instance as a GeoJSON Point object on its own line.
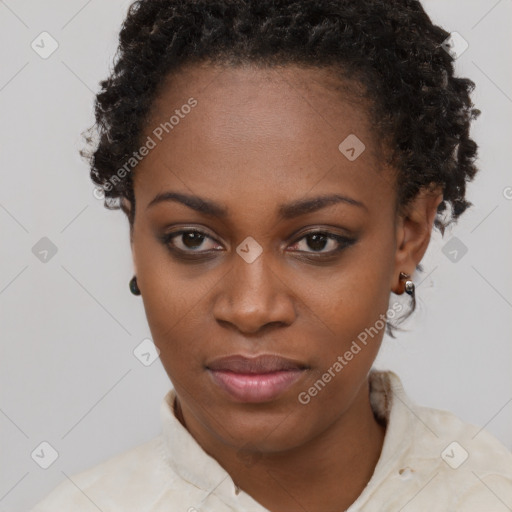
{"type": "Point", "coordinates": [390, 47]}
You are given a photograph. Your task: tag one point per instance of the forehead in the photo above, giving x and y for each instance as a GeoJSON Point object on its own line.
{"type": "Point", "coordinates": [259, 129]}
{"type": "Point", "coordinates": [232, 99]}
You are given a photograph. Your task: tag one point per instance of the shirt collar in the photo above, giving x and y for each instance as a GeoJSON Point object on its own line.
{"type": "Point", "coordinates": [183, 453]}
{"type": "Point", "coordinates": [187, 458]}
{"type": "Point", "coordinates": [391, 404]}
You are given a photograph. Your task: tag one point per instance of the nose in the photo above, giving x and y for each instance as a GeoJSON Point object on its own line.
{"type": "Point", "coordinates": [253, 296]}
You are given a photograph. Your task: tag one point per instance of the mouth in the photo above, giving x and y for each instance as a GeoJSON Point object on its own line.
{"type": "Point", "coordinates": [255, 379]}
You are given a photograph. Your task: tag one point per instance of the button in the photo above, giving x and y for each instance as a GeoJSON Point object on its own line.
{"type": "Point", "coordinates": [406, 473]}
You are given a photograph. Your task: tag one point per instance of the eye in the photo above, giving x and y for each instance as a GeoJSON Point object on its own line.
{"type": "Point", "coordinates": [318, 241]}
{"type": "Point", "coordinates": [190, 240]}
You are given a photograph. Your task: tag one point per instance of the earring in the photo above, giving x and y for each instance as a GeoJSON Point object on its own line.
{"type": "Point", "coordinates": [134, 288]}
{"type": "Point", "coordinates": [409, 285]}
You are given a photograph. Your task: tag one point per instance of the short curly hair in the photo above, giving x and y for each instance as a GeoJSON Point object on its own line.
{"type": "Point", "coordinates": [390, 47]}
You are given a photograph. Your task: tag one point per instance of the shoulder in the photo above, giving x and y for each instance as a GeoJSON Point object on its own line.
{"type": "Point", "coordinates": [126, 480]}
{"type": "Point", "coordinates": [465, 465]}
{"type": "Point", "coordinates": [473, 463]}
{"type": "Point", "coordinates": [441, 436]}
{"type": "Point", "coordinates": [433, 456]}
{"type": "Point", "coordinates": [490, 492]}
{"type": "Point", "coordinates": [462, 443]}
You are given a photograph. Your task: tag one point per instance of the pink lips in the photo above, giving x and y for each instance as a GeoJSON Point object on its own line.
{"type": "Point", "coordinates": [258, 379]}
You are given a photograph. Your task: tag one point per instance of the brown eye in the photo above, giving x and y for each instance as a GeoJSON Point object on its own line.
{"type": "Point", "coordinates": [189, 241]}
{"type": "Point", "coordinates": [192, 239]}
{"type": "Point", "coordinates": [318, 241]}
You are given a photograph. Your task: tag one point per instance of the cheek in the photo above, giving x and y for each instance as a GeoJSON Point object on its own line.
{"type": "Point", "coordinates": [171, 301]}
{"type": "Point", "coordinates": [349, 298]}
{"type": "Point", "coordinates": [350, 306]}
{"type": "Point", "coordinates": [355, 315]}
{"type": "Point", "coordinates": [169, 289]}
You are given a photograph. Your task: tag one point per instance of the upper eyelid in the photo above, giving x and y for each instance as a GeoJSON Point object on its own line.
{"type": "Point", "coordinates": [194, 230]}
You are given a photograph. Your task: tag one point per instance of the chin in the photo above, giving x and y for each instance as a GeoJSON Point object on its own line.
{"type": "Point", "coordinates": [263, 431]}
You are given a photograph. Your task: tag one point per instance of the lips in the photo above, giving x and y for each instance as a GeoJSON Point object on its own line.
{"type": "Point", "coordinates": [256, 379]}
{"type": "Point", "coordinates": [266, 363]}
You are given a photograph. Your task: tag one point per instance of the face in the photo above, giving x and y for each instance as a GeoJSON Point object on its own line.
{"type": "Point", "coordinates": [275, 242]}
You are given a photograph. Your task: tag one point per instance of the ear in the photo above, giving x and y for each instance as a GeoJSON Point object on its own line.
{"type": "Point", "coordinates": [413, 231]}
{"type": "Point", "coordinates": [126, 208]}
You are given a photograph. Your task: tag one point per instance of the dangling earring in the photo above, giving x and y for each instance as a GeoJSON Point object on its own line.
{"type": "Point", "coordinates": [409, 285]}
{"type": "Point", "coordinates": [134, 288]}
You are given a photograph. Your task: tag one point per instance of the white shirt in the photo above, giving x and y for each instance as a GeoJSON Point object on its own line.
{"type": "Point", "coordinates": [430, 461]}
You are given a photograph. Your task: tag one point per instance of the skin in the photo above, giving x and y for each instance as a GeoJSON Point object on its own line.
{"type": "Point", "coordinates": [258, 139]}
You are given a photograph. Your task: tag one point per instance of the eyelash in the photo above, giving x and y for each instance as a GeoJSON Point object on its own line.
{"type": "Point", "coordinates": [343, 241]}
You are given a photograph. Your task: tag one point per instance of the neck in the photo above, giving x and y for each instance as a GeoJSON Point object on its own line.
{"type": "Point", "coordinates": [327, 473]}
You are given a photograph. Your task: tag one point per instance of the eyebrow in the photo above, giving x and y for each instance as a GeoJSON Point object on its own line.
{"type": "Point", "coordinates": [286, 211]}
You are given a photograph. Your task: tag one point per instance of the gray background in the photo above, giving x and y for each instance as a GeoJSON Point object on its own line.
{"type": "Point", "coordinates": [69, 326]}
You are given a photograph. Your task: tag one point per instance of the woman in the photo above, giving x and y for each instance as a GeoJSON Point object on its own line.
{"type": "Point", "coordinates": [282, 165]}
